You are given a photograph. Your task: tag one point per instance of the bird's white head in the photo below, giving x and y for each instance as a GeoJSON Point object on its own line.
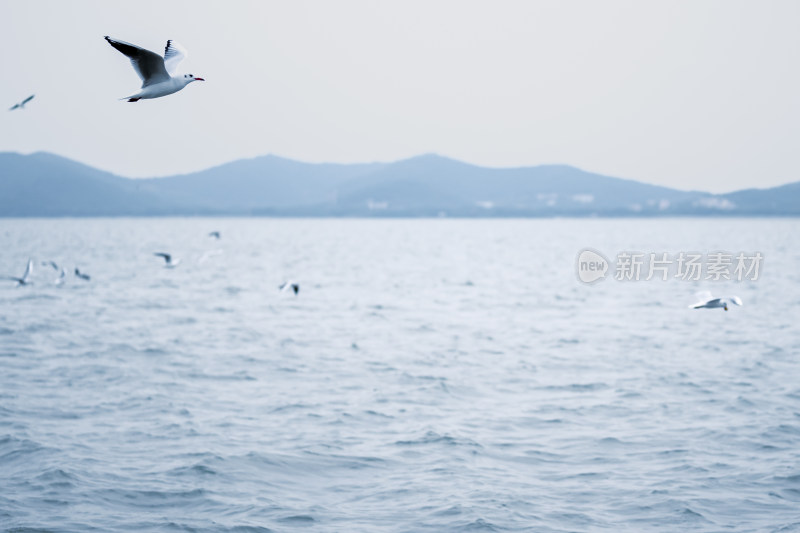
{"type": "Point", "coordinates": [189, 78]}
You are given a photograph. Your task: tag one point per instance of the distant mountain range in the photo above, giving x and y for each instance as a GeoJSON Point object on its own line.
{"type": "Point", "coordinates": [44, 185]}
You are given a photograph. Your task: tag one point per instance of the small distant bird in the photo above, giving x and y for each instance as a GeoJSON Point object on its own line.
{"type": "Point", "coordinates": [170, 262]}
{"type": "Point", "coordinates": [709, 302]}
{"type": "Point", "coordinates": [214, 234]}
{"type": "Point", "coordinates": [79, 274]}
{"type": "Point", "coordinates": [60, 279]}
{"type": "Point", "coordinates": [21, 105]}
{"type": "Point", "coordinates": [290, 285]}
{"type": "Point", "coordinates": [157, 73]}
{"type": "Point", "coordinates": [24, 279]}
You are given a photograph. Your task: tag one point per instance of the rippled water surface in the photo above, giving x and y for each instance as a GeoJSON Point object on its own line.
{"type": "Point", "coordinates": [431, 375]}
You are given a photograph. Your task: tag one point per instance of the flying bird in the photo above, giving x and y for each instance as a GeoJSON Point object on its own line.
{"type": "Point", "coordinates": [157, 73]}
{"type": "Point", "coordinates": [214, 234]}
{"type": "Point", "coordinates": [21, 105]}
{"type": "Point", "coordinates": [24, 279]}
{"type": "Point", "coordinates": [290, 285]}
{"type": "Point", "coordinates": [170, 262]}
{"type": "Point", "coordinates": [79, 274]}
{"type": "Point", "coordinates": [709, 302]}
{"type": "Point", "coordinates": [62, 274]}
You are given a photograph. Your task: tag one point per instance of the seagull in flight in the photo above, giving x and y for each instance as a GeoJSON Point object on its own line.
{"type": "Point", "coordinates": [170, 262]}
{"type": "Point", "coordinates": [85, 277]}
{"type": "Point", "coordinates": [214, 234]}
{"type": "Point", "coordinates": [21, 105]}
{"type": "Point", "coordinates": [61, 275]}
{"type": "Point", "coordinates": [157, 73]}
{"type": "Point", "coordinates": [709, 302]}
{"type": "Point", "coordinates": [290, 285]}
{"type": "Point", "coordinates": [24, 279]}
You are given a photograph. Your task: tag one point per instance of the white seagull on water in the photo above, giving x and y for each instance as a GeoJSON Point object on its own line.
{"type": "Point", "coordinates": [290, 285]}
{"type": "Point", "coordinates": [24, 279]}
{"type": "Point", "coordinates": [157, 73]}
{"type": "Point", "coordinates": [709, 302]}
{"type": "Point", "coordinates": [170, 262]}
{"type": "Point", "coordinates": [21, 105]}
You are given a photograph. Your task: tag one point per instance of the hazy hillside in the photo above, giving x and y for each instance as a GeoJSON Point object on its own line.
{"type": "Point", "coordinates": [43, 184]}
{"type": "Point", "coordinates": [434, 181]}
{"type": "Point", "coordinates": [262, 182]}
{"type": "Point", "coordinates": [777, 200]}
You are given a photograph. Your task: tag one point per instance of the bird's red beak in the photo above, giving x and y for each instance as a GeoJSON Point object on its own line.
{"type": "Point", "coordinates": [199, 79]}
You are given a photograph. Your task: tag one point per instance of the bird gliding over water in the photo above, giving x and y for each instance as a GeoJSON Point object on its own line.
{"type": "Point", "coordinates": [157, 73]}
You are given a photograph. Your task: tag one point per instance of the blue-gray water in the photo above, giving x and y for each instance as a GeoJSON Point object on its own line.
{"type": "Point", "coordinates": [432, 375]}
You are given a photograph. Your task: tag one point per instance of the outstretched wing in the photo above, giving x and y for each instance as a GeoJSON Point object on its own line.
{"type": "Point", "coordinates": [735, 299]}
{"type": "Point", "coordinates": [28, 270]}
{"type": "Point", "coordinates": [166, 257]}
{"type": "Point", "coordinates": [21, 105]}
{"type": "Point", "coordinates": [287, 285]}
{"type": "Point", "coordinates": [173, 54]}
{"type": "Point", "coordinates": [148, 65]}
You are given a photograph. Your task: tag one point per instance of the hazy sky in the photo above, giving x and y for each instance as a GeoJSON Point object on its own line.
{"type": "Point", "coordinates": [690, 94]}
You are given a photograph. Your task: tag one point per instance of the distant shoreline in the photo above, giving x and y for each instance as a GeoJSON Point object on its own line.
{"type": "Point", "coordinates": [428, 186]}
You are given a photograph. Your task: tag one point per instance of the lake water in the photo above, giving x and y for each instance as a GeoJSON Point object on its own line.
{"type": "Point", "coordinates": [431, 375]}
